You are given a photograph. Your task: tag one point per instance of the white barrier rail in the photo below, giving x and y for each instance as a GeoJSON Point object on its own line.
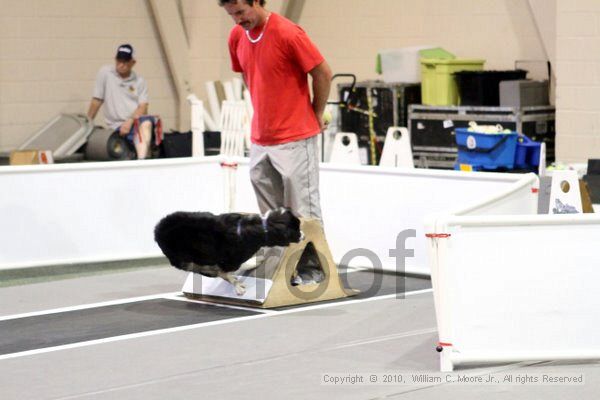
{"type": "Point", "coordinates": [69, 213]}
{"type": "Point", "coordinates": [367, 207]}
{"type": "Point", "coordinates": [520, 287]}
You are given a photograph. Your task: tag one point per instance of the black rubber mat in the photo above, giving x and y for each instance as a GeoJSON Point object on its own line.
{"type": "Point", "coordinates": [103, 322]}
{"type": "Point", "coordinates": [372, 284]}
{"type": "Point", "coordinates": [50, 330]}
{"type": "Point", "coordinates": [379, 284]}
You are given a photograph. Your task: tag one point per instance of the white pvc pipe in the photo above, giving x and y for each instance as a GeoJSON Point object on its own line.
{"type": "Point", "coordinates": [229, 93]}
{"type": "Point", "coordinates": [248, 102]}
{"type": "Point", "coordinates": [238, 88]}
{"type": "Point", "coordinates": [197, 125]}
{"type": "Point", "coordinates": [524, 220]}
{"type": "Point", "coordinates": [461, 358]}
{"type": "Point", "coordinates": [209, 122]}
{"type": "Point", "coordinates": [213, 101]}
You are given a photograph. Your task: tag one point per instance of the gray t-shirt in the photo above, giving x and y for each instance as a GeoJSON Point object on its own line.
{"type": "Point", "coordinates": [121, 96]}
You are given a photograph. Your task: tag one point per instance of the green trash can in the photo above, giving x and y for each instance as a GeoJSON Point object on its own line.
{"type": "Point", "coordinates": [438, 86]}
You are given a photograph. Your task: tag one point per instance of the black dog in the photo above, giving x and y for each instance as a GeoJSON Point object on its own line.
{"type": "Point", "coordinates": [217, 245]}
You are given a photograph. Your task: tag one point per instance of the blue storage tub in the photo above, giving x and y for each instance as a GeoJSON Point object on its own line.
{"type": "Point", "coordinates": [527, 153]}
{"type": "Point", "coordinates": [484, 150]}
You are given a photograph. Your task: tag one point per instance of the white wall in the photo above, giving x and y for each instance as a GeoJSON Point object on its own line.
{"type": "Point", "coordinates": [350, 32]}
{"type": "Point", "coordinates": [578, 80]}
{"type": "Point", "coordinates": [207, 30]}
{"type": "Point", "coordinates": [50, 51]}
{"type": "Point", "coordinates": [208, 26]}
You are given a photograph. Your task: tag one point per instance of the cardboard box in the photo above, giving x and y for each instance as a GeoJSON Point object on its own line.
{"type": "Point", "coordinates": [31, 157]}
{"type": "Point", "coordinates": [586, 199]}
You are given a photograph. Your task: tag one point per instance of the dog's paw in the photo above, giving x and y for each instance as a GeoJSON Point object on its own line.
{"type": "Point", "coordinates": [240, 288]}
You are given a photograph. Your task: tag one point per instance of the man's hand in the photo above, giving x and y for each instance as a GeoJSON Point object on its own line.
{"type": "Point", "coordinates": [95, 105]}
{"type": "Point", "coordinates": [126, 127]}
{"type": "Point", "coordinates": [322, 123]}
{"type": "Point", "coordinates": [321, 77]}
{"type": "Point", "coordinates": [324, 120]}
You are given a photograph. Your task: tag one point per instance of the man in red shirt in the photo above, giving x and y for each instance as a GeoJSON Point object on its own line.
{"type": "Point", "coordinates": [275, 57]}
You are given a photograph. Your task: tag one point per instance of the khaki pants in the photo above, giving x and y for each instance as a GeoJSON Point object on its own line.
{"type": "Point", "coordinates": [287, 175]}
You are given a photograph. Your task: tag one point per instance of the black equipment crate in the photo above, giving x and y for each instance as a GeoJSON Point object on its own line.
{"type": "Point", "coordinates": [179, 144]}
{"type": "Point", "coordinates": [432, 129]}
{"type": "Point", "coordinates": [212, 143]}
{"type": "Point", "coordinates": [389, 103]}
{"type": "Point", "coordinates": [482, 88]}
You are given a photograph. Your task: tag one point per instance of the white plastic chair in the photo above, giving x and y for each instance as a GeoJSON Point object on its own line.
{"type": "Point", "coordinates": [197, 125]}
{"type": "Point", "coordinates": [235, 126]}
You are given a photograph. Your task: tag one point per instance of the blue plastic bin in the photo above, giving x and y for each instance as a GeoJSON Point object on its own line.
{"type": "Point", "coordinates": [486, 151]}
{"type": "Point", "coordinates": [528, 153]}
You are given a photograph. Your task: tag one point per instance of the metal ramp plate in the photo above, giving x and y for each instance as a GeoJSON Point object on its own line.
{"type": "Point", "coordinates": [63, 135]}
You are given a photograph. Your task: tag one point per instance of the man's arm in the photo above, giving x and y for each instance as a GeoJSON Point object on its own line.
{"type": "Point", "coordinates": [95, 105]}
{"type": "Point", "coordinates": [142, 109]}
{"type": "Point", "coordinates": [321, 82]}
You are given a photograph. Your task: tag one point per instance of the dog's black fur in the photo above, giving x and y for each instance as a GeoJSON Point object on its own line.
{"type": "Point", "coordinates": [215, 245]}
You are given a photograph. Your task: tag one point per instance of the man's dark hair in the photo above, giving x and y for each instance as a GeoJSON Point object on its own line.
{"type": "Point", "coordinates": [249, 2]}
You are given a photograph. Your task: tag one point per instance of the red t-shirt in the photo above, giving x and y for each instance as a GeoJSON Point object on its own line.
{"type": "Point", "coordinates": [275, 70]}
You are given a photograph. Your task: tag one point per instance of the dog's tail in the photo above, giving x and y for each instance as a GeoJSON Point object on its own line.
{"type": "Point", "coordinates": [175, 228]}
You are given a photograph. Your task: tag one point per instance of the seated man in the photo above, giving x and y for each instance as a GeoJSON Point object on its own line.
{"type": "Point", "coordinates": [126, 97]}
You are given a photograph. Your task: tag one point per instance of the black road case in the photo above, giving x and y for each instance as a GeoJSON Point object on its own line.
{"type": "Point", "coordinates": [388, 104]}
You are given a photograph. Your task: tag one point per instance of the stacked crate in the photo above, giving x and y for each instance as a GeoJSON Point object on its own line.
{"type": "Point", "coordinates": [432, 129]}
